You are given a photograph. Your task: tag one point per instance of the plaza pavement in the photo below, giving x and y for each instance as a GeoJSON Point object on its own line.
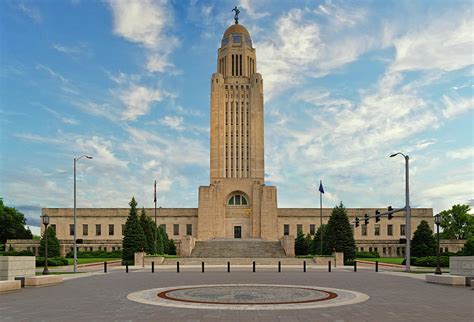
{"type": "Point", "coordinates": [94, 296]}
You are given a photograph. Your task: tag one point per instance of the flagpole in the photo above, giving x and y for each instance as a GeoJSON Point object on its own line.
{"type": "Point", "coordinates": [321, 214]}
{"type": "Point", "coordinates": [156, 227]}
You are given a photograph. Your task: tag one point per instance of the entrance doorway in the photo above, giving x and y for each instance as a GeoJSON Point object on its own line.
{"type": "Point", "coordinates": [237, 231]}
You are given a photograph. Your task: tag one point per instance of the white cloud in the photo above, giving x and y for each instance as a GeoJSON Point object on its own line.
{"type": "Point", "coordinates": [70, 50]}
{"type": "Point", "coordinates": [342, 15]}
{"type": "Point", "coordinates": [32, 12]}
{"type": "Point", "coordinates": [174, 122]}
{"type": "Point", "coordinates": [146, 23]}
{"type": "Point", "coordinates": [461, 154]}
{"type": "Point", "coordinates": [101, 150]}
{"type": "Point", "coordinates": [52, 73]}
{"type": "Point", "coordinates": [138, 101]}
{"type": "Point", "coordinates": [252, 10]}
{"type": "Point", "coordinates": [456, 105]}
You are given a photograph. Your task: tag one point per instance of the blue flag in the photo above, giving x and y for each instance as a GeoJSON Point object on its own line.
{"type": "Point", "coordinates": [321, 189]}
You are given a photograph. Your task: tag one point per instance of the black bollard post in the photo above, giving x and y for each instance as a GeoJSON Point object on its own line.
{"type": "Point", "coordinates": [202, 267]}
{"type": "Point", "coordinates": [304, 266]}
{"type": "Point", "coordinates": [228, 267]}
{"type": "Point", "coordinates": [376, 266]}
{"type": "Point", "coordinates": [355, 266]}
{"type": "Point", "coordinates": [254, 267]}
{"type": "Point", "coordinates": [177, 267]}
{"type": "Point", "coordinates": [329, 266]}
{"type": "Point", "coordinates": [126, 267]}
{"type": "Point", "coordinates": [105, 267]}
{"type": "Point", "coordinates": [279, 266]}
{"type": "Point", "coordinates": [152, 267]}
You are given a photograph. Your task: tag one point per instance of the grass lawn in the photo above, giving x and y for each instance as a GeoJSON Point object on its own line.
{"type": "Point", "coordinates": [57, 273]}
{"type": "Point", "coordinates": [90, 260]}
{"type": "Point", "coordinates": [390, 260]}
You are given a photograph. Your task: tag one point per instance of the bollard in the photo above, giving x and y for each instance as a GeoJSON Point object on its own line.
{"type": "Point", "coordinates": [152, 267]}
{"type": "Point", "coordinates": [228, 267]}
{"type": "Point", "coordinates": [177, 267]}
{"type": "Point", "coordinates": [376, 266]}
{"type": "Point", "coordinates": [202, 267]}
{"type": "Point", "coordinates": [304, 266]}
{"type": "Point", "coordinates": [329, 266]}
{"type": "Point", "coordinates": [355, 266]}
{"type": "Point", "coordinates": [126, 267]}
{"type": "Point", "coordinates": [279, 266]}
{"type": "Point", "coordinates": [254, 267]}
{"type": "Point", "coordinates": [105, 267]}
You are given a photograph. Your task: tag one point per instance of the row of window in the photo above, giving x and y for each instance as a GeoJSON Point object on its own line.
{"type": "Point", "coordinates": [98, 229]}
{"type": "Point", "coordinates": [312, 229]}
{"type": "Point", "coordinates": [386, 250]}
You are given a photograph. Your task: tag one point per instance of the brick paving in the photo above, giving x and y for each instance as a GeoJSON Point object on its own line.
{"type": "Point", "coordinates": [103, 297]}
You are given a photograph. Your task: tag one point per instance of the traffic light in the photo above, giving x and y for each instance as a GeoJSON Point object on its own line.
{"type": "Point", "coordinates": [366, 219]}
{"type": "Point", "coordinates": [390, 212]}
{"type": "Point", "coordinates": [377, 216]}
{"type": "Point", "coordinates": [357, 222]}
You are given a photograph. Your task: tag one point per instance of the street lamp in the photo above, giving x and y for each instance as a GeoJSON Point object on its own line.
{"type": "Point", "coordinates": [437, 222]}
{"type": "Point", "coordinates": [407, 211]}
{"type": "Point", "coordinates": [75, 226]}
{"type": "Point", "coordinates": [45, 223]}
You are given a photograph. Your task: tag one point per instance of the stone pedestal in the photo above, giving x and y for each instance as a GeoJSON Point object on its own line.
{"type": "Point", "coordinates": [16, 266]}
{"type": "Point", "coordinates": [288, 245]}
{"type": "Point", "coordinates": [186, 246]}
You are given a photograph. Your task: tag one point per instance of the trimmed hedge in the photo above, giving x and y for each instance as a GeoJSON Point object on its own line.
{"type": "Point", "coordinates": [97, 254]}
{"type": "Point", "coordinates": [429, 261]}
{"type": "Point", "coordinates": [19, 253]}
{"type": "Point", "coordinates": [56, 261]}
{"type": "Point", "coordinates": [372, 254]}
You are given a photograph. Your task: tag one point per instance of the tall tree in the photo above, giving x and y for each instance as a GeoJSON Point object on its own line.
{"type": "Point", "coordinates": [148, 227]}
{"type": "Point", "coordinates": [457, 223]}
{"type": "Point", "coordinates": [338, 235]}
{"type": "Point", "coordinates": [423, 242]}
{"type": "Point", "coordinates": [301, 247]}
{"type": "Point", "coordinates": [53, 244]}
{"type": "Point", "coordinates": [160, 242]}
{"type": "Point", "coordinates": [316, 243]}
{"type": "Point", "coordinates": [133, 237]}
{"type": "Point", "coordinates": [12, 224]}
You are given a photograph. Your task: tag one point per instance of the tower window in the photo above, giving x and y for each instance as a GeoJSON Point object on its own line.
{"type": "Point", "coordinates": [237, 199]}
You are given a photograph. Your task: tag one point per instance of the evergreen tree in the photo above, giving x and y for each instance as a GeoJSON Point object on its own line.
{"type": "Point", "coordinates": [171, 247]}
{"type": "Point", "coordinates": [338, 234]}
{"type": "Point", "coordinates": [133, 237]}
{"type": "Point", "coordinates": [149, 231]}
{"type": "Point", "coordinates": [423, 242]}
{"type": "Point", "coordinates": [160, 242]}
{"type": "Point", "coordinates": [53, 244]}
{"type": "Point", "coordinates": [308, 242]}
{"type": "Point", "coordinates": [12, 224]}
{"type": "Point", "coordinates": [301, 247]}
{"type": "Point", "coordinates": [316, 242]}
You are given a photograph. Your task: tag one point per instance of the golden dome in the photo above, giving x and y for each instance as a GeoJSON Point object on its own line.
{"type": "Point", "coordinates": [236, 29]}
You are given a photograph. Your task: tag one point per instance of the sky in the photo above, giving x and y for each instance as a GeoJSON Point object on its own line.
{"type": "Point", "coordinates": [346, 84]}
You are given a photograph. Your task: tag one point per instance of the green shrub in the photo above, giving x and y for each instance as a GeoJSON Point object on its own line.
{"type": "Point", "coordinates": [96, 254]}
{"type": "Point", "coordinates": [55, 261]}
{"type": "Point", "coordinates": [430, 261]}
{"type": "Point", "coordinates": [372, 254]}
{"type": "Point", "coordinates": [412, 261]}
{"type": "Point", "coordinates": [468, 249]}
{"type": "Point", "coordinates": [18, 253]}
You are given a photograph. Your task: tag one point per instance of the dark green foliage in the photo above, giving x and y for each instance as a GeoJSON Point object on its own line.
{"type": "Point", "coordinates": [423, 243]}
{"type": "Point", "coordinates": [372, 254]}
{"type": "Point", "coordinates": [309, 243]}
{"type": "Point", "coordinates": [171, 248]}
{"type": "Point", "coordinates": [149, 230]}
{"type": "Point", "coordinates": [12, 224]}
{"type": "Point", "coordinates": [97, 254]}
{"type": "Point", "coordinates": [53, 244]}
{"type": "Point", "coordinates": [339, 236]}
{"type": "Point", "coordinates": [430, 261]}
{"type": "Point", "coordinates": [316, 243]}
{"type": "Point", "coordinates": [19, 253]}
{"type": "Point", "coordinates": [301, 246]}
{"type": "Point", "coordinates": [468, 249]}
{"type": "Point", "coordinates": [160, 242]}
{"type": "Point", "coordinates": [457, 223]}
{"type": "Point", "coordinates": [55, 261]}
{"type": "Point", "coordinates": [133, 237]}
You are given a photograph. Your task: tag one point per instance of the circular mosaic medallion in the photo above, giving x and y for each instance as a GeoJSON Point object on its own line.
{"type": "Point", "coordinates": [248, 297]}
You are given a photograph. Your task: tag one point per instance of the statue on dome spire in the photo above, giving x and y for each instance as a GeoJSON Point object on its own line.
{"type": "Point", "coordinates": [236, 16]}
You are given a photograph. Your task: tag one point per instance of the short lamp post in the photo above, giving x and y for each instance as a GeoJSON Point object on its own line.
{"type": "Point", "coordinates": [45, 223]}
{"type": "Point", "coordinates": [437, 222]}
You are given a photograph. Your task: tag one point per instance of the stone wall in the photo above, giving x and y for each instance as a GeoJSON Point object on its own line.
{"type": "Point", "coordinates": [461, 265]}
{"type": "Point", "coordinates": [13, 266]}
{"type": "Point", "coordinates": [288, 245]}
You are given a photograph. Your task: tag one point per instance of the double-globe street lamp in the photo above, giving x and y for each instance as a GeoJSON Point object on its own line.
{"type": "Point", "coordinates": [407, 211]}
{"type": "Point", "coordinates": [437, 222]}
{"type": "Point", "coordinates": [75, 226]}
{"type": "Point", "coordinates": [45, 223]}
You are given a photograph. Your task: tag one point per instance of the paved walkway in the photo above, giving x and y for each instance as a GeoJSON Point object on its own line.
{"type": "Point", "coordinates": [103, 297]}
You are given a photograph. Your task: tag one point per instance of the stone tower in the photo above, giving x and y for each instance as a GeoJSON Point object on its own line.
{"type": "Point", "coordinates": [237, 204]}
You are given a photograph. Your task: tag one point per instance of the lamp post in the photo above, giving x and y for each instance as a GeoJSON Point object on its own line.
{"type": "Point", "coordinates": [437, 222]}
{"type": "Point", "coordinates": [407, 211]}
{"type": "Point", "coordinates": [75, 226]}
{"type": "Point", "coordinates": [45, 223]}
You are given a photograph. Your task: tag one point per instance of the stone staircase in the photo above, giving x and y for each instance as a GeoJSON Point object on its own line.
{"type": "Point", "coordinates": [240, 248]}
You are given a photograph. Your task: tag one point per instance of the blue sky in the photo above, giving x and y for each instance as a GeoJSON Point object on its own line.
{"type": "Point", "coordinates": [346, 84]}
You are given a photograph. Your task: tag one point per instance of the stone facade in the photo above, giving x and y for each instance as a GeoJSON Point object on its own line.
{"type": "Point", "coordinates": [236, 203]}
